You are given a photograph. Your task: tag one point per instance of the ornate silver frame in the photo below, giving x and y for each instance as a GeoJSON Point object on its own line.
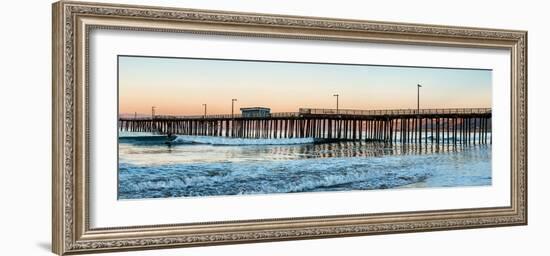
{"type": "Point", "coordinates": [72, 22]}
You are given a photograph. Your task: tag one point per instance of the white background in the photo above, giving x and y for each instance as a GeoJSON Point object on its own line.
{"type": "Point", "coordinates": [25, 100]}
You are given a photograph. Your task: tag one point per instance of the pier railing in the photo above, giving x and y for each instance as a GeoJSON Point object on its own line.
{"type": "Point", "coordinates": [329, 112]}
{"type": "Point", "coordinates": [325, 111]}
{"type": "Point", "coordinates": [223, 116]}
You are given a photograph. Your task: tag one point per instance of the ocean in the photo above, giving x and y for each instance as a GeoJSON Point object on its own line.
{"type": "Point", "coordinates": [195, 166]}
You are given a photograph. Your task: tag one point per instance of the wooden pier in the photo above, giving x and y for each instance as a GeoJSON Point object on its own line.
{"type": "Point", "coordinates": [405, 126]}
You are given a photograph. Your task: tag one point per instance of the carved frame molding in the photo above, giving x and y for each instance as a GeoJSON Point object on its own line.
{"type": "Point", "coordinates": [72, 22]}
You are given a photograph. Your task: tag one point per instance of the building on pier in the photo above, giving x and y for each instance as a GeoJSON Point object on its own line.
{"type": "Point", "coordinates": [256, 112]}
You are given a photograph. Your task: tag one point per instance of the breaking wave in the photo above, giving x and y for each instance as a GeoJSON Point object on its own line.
{"type": "Point", "coordinates": [186, 139]}
{"type": "Point", "coordinates": [227, 178]}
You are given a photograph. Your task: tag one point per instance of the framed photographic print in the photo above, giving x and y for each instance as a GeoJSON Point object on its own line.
{"type": "Point", "coordinates": [179, 127]}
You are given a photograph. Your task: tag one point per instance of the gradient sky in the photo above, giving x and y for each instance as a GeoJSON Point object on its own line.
{"type": "Point", "coordinates": [179, 86]}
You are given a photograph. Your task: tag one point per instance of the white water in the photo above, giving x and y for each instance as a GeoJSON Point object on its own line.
{"type": "Point", "coordinates": [327, 174]}
{"type": "Point", "coordinates": [199, 167]}
{"type": "Point", "coordinates": [211, 140]}
{"type": "Point", "coordinates": [124, 134]}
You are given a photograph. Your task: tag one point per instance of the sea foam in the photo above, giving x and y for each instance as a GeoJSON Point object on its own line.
{"type": "Point", "coordinates": [265, 177]}
{"type": "Point", "coordinates": [186, 139]}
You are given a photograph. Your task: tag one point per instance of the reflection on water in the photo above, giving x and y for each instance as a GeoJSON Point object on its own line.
{"type": "Point", "coordinates": [358, 149]}
{"type": "Point", "coordinates": [149, 168]}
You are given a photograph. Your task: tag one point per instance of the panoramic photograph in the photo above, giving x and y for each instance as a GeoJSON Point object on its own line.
{"type": "Point", "coordinates": [197, 127]}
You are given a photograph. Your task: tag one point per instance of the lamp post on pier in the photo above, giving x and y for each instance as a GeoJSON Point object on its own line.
{"type": "Point", "coordinates": [233, 107]}
{"type": "Point", "coordinates": [204, 105]}
{"type": "Point", "coordinates": [337, 107]}
{"type": "Point", "coordinates": [418, 98]}
{"type": "Point", "coordinates": [153, 108]}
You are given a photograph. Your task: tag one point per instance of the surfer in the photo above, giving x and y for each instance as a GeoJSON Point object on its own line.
{"type": "Point", "coordinates": [170, 138]}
